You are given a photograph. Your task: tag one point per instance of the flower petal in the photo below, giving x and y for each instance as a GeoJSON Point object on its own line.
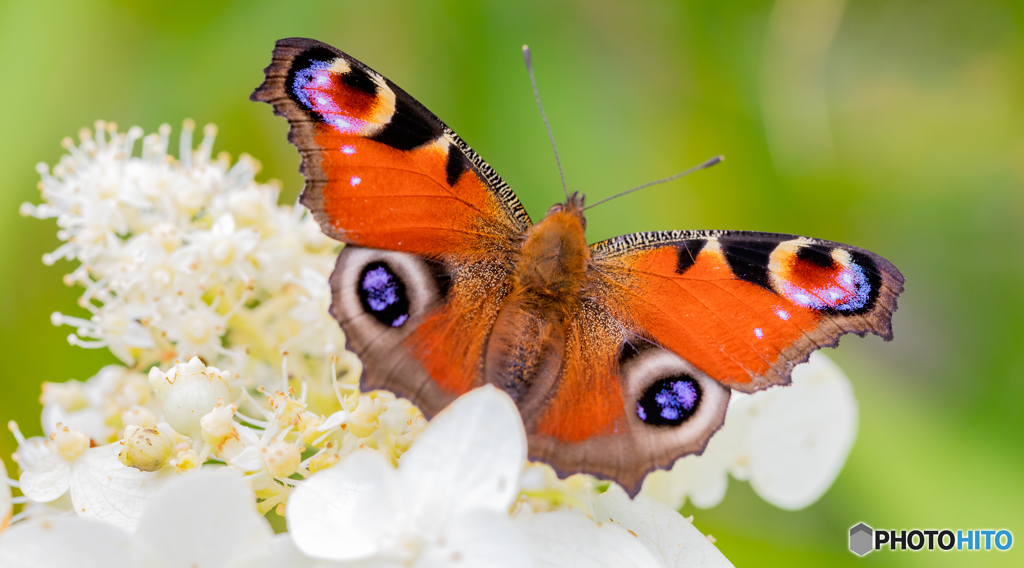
{"type": "Point", "coordinates": [48, 479]}
{"type": "Point", "coordinates": [282, 552]}
{"type": "Point", "coordinates": [346, 511]}
{"type": "Point", "coordinates": [800, 437]}
{"type": "Point", "coordinates": [469, 458]}
{"type": "Point", "coordinates": [105, 489]}
{"type": "Point", "coordinates": [671, 538]}
{"type": "Point", "coordinates": [206, 518]}
{"type": "Point", "coordinates": [569, 539]}
{"type": "Point", "coordinates": [481, 538]}
{"type": "Point", "coordinates": [62, 542]}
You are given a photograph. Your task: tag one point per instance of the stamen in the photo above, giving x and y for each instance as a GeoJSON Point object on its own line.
{"type": "Point", "coordinates": [206, 146]}
{"type": "Point", "coordinates": [13, 427]}
{"type": "Point", "coordinates": [164, 141]}
{"type": "Point", "coordinates": [284, 371]}
{"type": "Point", "coordinates": [253, 421]}
{"type": "Point", "coordinates": [185, 143]}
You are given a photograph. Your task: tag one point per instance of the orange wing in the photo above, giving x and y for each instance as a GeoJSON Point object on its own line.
{"type": "Point", "coordinates": [382, 171]}
{"type": "Point", "coordinates": [745, 307]}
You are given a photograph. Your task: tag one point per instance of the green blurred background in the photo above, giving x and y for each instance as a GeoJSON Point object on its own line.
{"type": "Point", "coordinates": [894, 125]}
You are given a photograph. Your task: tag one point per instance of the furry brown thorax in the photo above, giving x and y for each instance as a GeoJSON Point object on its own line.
{"type": "Point", "coordinates": [555, 253]}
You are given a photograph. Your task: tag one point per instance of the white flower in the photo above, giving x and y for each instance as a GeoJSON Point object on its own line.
{"type": "Point", "coordinates": [206, 519]}
{"type": "Point", "coordinates": [65, 542]}
{"type": "Point", "coordinates": [101, 487]}
{"type": "Point", "coordinates": [790, 442]}
{"type": "Point", "coordinates": [90, 406]}
{"type": "Point", "coordinates": [66, 403]}
{"type": "Point", "coordinates": [223, 250]}
{"type": "Point", "coordinates": [446, 504]}
{"type": "Point", "coordinates": [628, 532]}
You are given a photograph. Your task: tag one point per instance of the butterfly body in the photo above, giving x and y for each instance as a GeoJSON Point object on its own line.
{"type": "Point", "coordinates": [620, 355]}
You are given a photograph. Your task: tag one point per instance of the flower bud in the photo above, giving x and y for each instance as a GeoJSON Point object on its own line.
{"type": "Point", "coordinates": [187, 393]}
{"type": "Point", "coordinates": [281, 459]}
{"type": "Point", "coordinates": [146, 449]}
{"type": "Point", "coordinates": [70, 443]}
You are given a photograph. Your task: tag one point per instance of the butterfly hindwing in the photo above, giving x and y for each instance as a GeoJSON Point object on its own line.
{"type": "Point", "coordinates": [621, 406]}
{"type": "Point", "coordinates": [746, 307]}
{"type": "Point", "coordinates": [419, 325]}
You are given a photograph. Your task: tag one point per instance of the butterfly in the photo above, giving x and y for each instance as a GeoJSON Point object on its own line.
{"type": "Point", "coordinates": [621, 356]}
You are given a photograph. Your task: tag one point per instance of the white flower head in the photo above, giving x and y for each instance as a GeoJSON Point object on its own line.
{"type": "Point", "coordinates": [446, 504]}
{"type": "Point", "coordinates": [188, 257]}
{"type": "Point", "coordinates": [789, 442]}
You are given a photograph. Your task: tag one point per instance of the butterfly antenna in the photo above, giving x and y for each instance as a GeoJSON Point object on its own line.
{"type": "Point", "coordinates": [707, 164]}
{"type": "Point", "coordinates": [536, 95]}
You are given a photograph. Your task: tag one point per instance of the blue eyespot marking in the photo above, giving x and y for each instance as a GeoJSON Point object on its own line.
{"type": "Point", "coordinates": [382, 294]}
{"type": "Point", "coordinates": [670, 401]}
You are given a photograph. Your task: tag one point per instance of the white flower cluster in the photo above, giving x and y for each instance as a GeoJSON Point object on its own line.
{"type": "Point", "coordinates": [192, 271]}
{"type": "Point", "coordinates": [189, 257]}
{"type": "Point", "coordinates": [189, 419]}
{"type": "Point", "coordinates": [447, 504]}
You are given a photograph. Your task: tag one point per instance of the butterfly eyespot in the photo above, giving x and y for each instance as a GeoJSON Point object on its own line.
{"type": "Point", "coordinates": [822, 278]}
{"type": "Point", "coordinates": [669, 401]}
{"type": "Point", "coordinates": [383, 295]}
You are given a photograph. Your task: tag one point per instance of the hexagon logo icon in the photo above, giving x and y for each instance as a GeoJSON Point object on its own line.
{"type": "Point", "coordinates": [861, 539]}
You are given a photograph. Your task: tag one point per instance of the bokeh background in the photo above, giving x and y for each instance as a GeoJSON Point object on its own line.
{"type": "Point", "coordinates": [894, 125]}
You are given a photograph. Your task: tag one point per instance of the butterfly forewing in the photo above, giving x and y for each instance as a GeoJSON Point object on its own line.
{"type": "Point", "coordinates": [382, 171]}
{"type": "Point", "coordinates": [745, 307]}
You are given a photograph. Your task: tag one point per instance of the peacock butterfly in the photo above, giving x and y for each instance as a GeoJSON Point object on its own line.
{"type": "Point", "coordinates": [621, 355]}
